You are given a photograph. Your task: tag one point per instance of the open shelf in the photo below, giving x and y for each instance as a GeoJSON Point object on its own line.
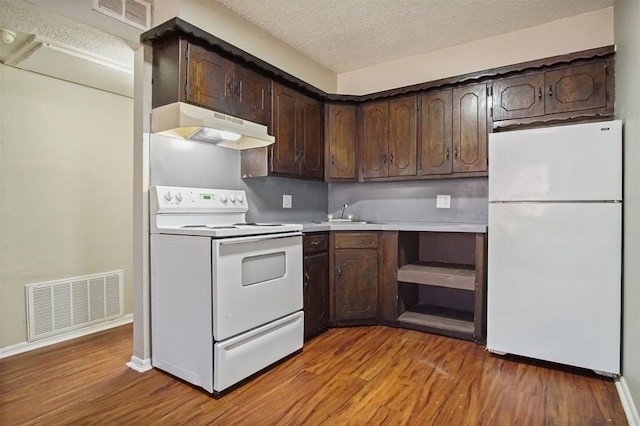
{"type": "Point", "coordinates": [445, 320]}
{"type": "Point", "coordinates": [441, 283]}
{"type": "Point", "coordinates": [462, 277]}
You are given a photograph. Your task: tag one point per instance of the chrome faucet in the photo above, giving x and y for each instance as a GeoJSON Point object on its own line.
{"type": "Point", "coordinates": [344, 207]}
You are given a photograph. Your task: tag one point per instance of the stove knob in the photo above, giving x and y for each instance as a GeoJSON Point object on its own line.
{"type": "Point", "coordinates": [168, 196]}
{"type": "Point", "coordinates": [240, 198]}
{"type": "Point", "coordinates": [179, 197]}
{"type": "Point", "coordinates": [223, 198]}
{"type": "Point", "coordinates": [232, 198]}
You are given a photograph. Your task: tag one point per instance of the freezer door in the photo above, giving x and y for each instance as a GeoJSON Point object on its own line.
{"type": "Point", "coordinates": [577, 162]}
{"type": "Point", "coordinates": [554, 282]}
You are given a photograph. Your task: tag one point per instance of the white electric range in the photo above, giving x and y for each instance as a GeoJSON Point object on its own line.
{"type": "Point", "coordinates": [226, 295]}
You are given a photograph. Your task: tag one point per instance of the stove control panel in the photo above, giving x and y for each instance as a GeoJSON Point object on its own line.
{"type": "Point", "coordinates": [172, 199]}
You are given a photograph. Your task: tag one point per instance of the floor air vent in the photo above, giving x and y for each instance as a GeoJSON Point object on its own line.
{"type": "Point", "coordinates": [57, 307]}
{"type": "Point", "coordinates": [136, 13]}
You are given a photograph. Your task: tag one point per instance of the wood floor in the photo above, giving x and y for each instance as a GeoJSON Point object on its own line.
{"type": "Point", "coordinates": [367, 375]}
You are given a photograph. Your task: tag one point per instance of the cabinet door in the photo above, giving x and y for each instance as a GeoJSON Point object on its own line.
{"type": "Point", "coordinates": [356, 284]}
{"type": "Point", "coordinates": [209, 80]}
{"type": "Point", "coordinates": [341, 141]}
{"type": "Point", "coordinates": [518, 97]}
{"type": "Point", "coordinates": [470, 128]}
{"type": "Point", "coordinates": [284, 152]}
{"type": "Point", "coordinates": [403, 137]}
{"type": "Point", "coordinates": [311, 138]}
{"type": "Point", "coordinates": [375, 139]}
{"type": "Point", "coordinates": [576, 88]}
{"type": "Point", "coordinates": [316, 293]}
{"type": "Point", "coordinates": [436, 133]}
{"type": "Point", "coordinates": [252, 95]}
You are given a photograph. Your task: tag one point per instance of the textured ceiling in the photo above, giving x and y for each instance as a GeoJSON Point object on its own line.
{"type": "Point", "coordinates": [344, 35]}
{"type": "Point", "coordinates": [24, 17]}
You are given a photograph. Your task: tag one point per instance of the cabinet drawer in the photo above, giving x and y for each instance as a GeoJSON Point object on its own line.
{"type": "Point", "coordinates": [347, 240]}
{"type": "Point", "coordinates": [312, 243]}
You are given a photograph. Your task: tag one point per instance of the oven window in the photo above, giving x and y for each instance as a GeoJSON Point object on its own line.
{"type": "Point", "coordinates": [265, 267]}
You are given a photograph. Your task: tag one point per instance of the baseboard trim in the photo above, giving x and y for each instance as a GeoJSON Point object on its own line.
{"type": "Point", "coordinates": [140, 365]}
{"type": "Point", "coordinates": [29, 346]}
{"type": "Point", "coordinates": [630, 409]}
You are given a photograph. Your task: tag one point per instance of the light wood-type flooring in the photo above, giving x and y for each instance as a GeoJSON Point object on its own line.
{"type": "Point", "coordinates": [357, 376]}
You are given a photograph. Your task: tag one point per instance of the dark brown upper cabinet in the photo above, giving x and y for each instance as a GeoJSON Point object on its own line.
{"type": "Point", "coordinates": [565, 92]}
{"type": "Point", "coordinates": [341, 137]}
{"type": "Point", "coordinates": [384, 135]}
{"type": "Point", "coordinates": [453, 131]}
{"type": "Point", "coordinates": [436, 132]}
{"type": "Point", "coordinates": [298, 127]}
{"type": "Point", "coordinates": [518, 97]}
{"type": "Point", "coordinates": [252, 99]}
{"type": "Point", "coordinates": [470, 128]}
{"type": "Point", "coordinates": [389, 138]}
{"type": "Point", "coordinates": [576, 88]}
{"type": "Point", "coordinates": [187, 72]}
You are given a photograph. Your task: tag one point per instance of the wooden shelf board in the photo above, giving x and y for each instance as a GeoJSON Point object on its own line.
{"type": "Point", "coordinates": [437, 322]}
{"type": "Point", "coordinates": [440, 276]}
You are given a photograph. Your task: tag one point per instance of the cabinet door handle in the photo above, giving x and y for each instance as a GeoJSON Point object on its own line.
{"type": "Point", "coordinates": [455, 153]}
{"type": "Point", "coordinates": [229, 91]}
{"type": "Point", "coordinates": [333, 159]}
{"type": "Point", "coordinates": [446, 153]}
{"type": "Point", "coordinates": [539, 93]}
{"type": "Point", "coordinates": [240, 91]}
{"type": "Point", "coordinates": [391, 158]}
{"type": "Point", "coordinates": [550, 91]}
{"type": "Point", "coordinates": [306, 277]}
{"type": "Point", "coordinates": [339, 272]}
{"type": "Point", "coordinates": [384, 159]}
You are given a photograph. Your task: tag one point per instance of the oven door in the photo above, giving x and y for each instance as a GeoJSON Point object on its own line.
{"type": "Point", "coordinates": [256, 280]}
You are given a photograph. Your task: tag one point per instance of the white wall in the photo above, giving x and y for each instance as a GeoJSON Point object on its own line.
{"type": "Point", "coordinates": [627, 34]}
{"type": "Point", "coordinates": [567, 35]}
{"type": "Point", "coordinates": [222, 23]}
{"type": "Point", "coordinates": [66, 196]}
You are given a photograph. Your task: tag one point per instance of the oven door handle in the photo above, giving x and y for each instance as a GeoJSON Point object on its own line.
{"type": "Point", "coordinates": [255, 239]}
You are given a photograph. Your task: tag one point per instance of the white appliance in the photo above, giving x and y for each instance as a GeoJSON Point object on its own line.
{"type": "Point", "coordinates": [555, 239]}
{"type": "Point", "coordinates": [226, 296]}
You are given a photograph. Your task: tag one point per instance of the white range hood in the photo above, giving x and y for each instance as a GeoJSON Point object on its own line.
{"type": "Point", "coordinates": [186, 121]}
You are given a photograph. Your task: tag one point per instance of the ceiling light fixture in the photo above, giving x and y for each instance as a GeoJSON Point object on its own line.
{"type": "Point", "coordinates": [7, 36]}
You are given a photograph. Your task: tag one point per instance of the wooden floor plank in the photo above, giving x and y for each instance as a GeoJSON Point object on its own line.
{"type": "Point", "coordinates": [363, 375]}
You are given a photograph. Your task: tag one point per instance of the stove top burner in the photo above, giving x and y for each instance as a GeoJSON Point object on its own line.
{"type": "Point", "coordinates": [211, 226]}
{"type": "Point", "coordinates": [257, 224]}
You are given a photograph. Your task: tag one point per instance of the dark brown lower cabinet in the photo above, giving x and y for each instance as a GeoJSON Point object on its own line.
{"type": "Point", "coordinates": [315, 283]}
{"type": "Point", "coordinates": [353, 279]}
{"type": "Point", "coordinates": [356, 284]}
{"type": "Point", "coordinates": [428, 281]}
{"type": "Point", "coordinates": [316, 293]}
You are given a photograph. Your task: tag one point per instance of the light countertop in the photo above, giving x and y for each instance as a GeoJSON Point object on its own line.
{"type": "Point", "coordinates": [473, 227]}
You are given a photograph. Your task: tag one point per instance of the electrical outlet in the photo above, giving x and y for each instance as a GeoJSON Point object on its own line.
{"type": "Point", "coordinates": [443, 201]}
{"type": "Point", "coordinates": [287, 201]}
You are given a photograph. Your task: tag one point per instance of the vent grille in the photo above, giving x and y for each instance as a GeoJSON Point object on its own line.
{"type": "Point", "coordinates": [136, 13]}
{"type": "Point", "coordinates": [57, 307]}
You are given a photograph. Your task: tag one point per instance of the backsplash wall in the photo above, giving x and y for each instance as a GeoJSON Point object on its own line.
{"type": "Point", "coordinates": [412, 200]}
{"type": "Point", "coordinates": [198, 164]}
{"type": "Point", "coordinates": [175, 162]}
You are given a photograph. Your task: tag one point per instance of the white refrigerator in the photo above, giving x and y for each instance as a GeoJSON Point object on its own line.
{"type": "Point", "coordinates": [555, 244]}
